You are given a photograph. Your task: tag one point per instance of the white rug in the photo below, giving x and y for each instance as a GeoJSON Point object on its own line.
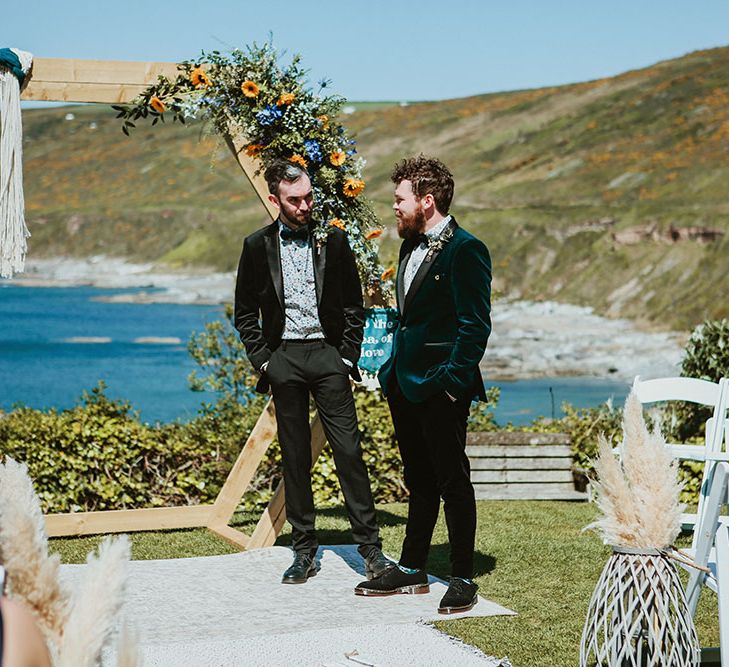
{"type": "Point", "coordinates": [233, 610]}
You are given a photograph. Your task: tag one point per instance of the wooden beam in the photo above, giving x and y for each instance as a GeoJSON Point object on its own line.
{"type": "Point", "coordinates": [118, 82]}
{"type": "Point", "coordinates": [245, 467]}
{"type": "Point", "coordinates": [122, 521]}
{"type": "Point", "coordinates": [271, 521]}
{"type": "Point", "coordinates": [508, 451]}
{"type": "Point", "coordinates": [103, 81]}
{"type": "Point", "coordinates": [235, 537]}
{"type": "Point", "coordinates": [250, 166]}
{"type": "Point", "coordinates": [514, 438]}
{"type": "Point", "coordinates": [274, 516]}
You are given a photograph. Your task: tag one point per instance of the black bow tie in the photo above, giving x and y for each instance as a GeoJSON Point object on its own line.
{"type": "Point", "coordinates": [422, 239]}
{"type": "Point", "coordinates": [300, 234]}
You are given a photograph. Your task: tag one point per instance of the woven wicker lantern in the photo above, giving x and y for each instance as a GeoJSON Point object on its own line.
{"type": "Point", "coordinates": [638, 615]}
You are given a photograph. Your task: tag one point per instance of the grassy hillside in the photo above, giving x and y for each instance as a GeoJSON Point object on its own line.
{"type": "Point", "coordinates": [611, 193]}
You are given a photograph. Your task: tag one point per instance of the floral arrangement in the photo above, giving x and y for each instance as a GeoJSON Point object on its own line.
{"type": "Point", "coordinates": [250, 94]}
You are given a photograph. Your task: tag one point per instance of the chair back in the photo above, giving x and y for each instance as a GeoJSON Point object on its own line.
{"type": "Point", "coordinates": [705, 533]}
{"type": "Point", "coordinates": [691, 390]}
{"type": "Point", "coordinates": [702, 392]}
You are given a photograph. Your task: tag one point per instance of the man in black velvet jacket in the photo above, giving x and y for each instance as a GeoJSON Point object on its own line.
{"type": "Point", "coordinates": [443, 295]}
{"type": "Point", "coordinates": [298, 310]}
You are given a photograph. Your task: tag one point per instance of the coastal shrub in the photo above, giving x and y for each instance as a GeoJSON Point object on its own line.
{"type": "Point", "coordinates": [706, 357]}
{"type": "Point", "coordinates": [98, 455]}
{"type": "Point", "coordinates": [583, 425]}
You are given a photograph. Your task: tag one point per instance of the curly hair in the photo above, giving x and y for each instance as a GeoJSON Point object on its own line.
{"type": "Point", "coordinates": [429, 176]}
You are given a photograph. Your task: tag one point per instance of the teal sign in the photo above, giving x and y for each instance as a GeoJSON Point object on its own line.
{"type": "Point", "coordinates": [380, 324]}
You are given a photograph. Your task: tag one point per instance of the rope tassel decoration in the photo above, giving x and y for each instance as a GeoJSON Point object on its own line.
{"type": "Point", "coordinates": [14, 67]}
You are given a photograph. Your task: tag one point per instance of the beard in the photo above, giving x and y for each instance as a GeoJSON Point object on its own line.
{"type": "Point", "coordinates": [293, 220]}
{"type": "Point", "coordinates": [409, 227]}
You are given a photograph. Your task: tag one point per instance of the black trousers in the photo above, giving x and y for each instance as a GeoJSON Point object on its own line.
{"type": "Point", "coordinates": [432, 439]}
{"type": "Point", "coordinates": [296, 369]}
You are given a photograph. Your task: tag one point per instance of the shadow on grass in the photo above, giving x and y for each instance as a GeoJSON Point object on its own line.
{"type": "Point", "coordinates": [439, 563]}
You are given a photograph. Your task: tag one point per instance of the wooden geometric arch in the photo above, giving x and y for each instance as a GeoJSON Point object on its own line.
{"type": "Point", "coordinates": [118, 82]}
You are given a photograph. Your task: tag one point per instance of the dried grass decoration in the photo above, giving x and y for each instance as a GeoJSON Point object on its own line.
{"type": "Point", "coordinates": [80, 626]}
{"type": "Point", "coordinates": [638, 615]}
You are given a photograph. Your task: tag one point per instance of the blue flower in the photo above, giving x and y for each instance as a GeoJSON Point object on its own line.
{"type": "Point", "coordinates": [313, 150]}
{"type": "Point", "coordinates": [269, 115]}
{"type": "Point", "coordinates": [351, 151]}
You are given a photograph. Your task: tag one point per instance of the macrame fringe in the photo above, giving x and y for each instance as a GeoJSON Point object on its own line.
{"type": "Point", "coordinates": [13, 231]}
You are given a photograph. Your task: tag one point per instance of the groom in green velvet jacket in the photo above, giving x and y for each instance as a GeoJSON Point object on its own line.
{"type": "Point", "coordinates": [443, 296]}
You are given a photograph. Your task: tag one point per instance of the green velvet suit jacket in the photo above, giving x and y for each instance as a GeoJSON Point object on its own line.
{"type": "Point", "coordinates": [445, 321]}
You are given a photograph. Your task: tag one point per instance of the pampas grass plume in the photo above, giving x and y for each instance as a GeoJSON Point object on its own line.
{"type": "Point", "coordinates": [127, 654]}
{"type": "Point", "coordinates": [96, 605]}
{"type": "Point", "coordinates": [614, 499]}
{"type": "Point", "coordinates": [638, 498]}
{"type": "Point", "coordinates": [32, 573]}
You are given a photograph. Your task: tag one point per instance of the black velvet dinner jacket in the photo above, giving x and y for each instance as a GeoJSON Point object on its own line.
{"type": "Point", "coordinates": [259, 295]}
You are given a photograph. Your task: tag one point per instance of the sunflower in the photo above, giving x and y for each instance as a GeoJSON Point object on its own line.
{"type": "Point", "coordinates": [254, 150]}
{"type": "Point", "coordinates": [373, 234]}
{"type": "Point", "coordinates": [298, 159]}
{"type": "Point", "coordinates": [337, 158]}
{"type": "Point", "coordinates": [199, 78]}
{"type": "Point", "coordinates": [285, 99]}
{"type": "Point", "coordinates": [352, 187]}
{"type": "Point", "coordinates": [250, 89]}
{"type": "Point", "coordinates": [323, 121]}
{"type": "Point", "coordinates": [336, 222]}
{"type": "Point", "coordinates": [157, 104]}
{"type": "Point", "coordinates": [388, 273]}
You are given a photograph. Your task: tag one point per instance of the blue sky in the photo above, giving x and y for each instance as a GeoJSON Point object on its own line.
{"type": "Point", "coordinates": [376, 50]}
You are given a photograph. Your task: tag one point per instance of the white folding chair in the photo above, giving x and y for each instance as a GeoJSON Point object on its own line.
{"type": "Point", "coordinates": [710, 543]}
{"type": "Point", "coordinates": [703, 392]}
{"type": "Point", "coordinates": [712, 552]}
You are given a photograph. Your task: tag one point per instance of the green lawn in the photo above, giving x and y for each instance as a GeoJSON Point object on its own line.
{"type": "Point", "coordinates": [531, 556]}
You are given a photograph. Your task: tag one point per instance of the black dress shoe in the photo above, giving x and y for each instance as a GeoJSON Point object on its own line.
{"type": "Point", "coordinates": [393, 580]}
{"type": "Point", "coordinates": [460, 596]}
{"type": "Point", "coordinates": [376, 563]}
{"type": "Point", "coordinates": [301, 569]}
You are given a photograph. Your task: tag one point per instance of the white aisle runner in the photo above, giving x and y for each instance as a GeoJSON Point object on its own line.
{"type": "Point", "coordinates": [232, 610]}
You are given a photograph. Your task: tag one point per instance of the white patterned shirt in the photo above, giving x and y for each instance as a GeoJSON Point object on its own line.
{"type": "Point", "coordinates": [420, 251]}
{"type": "Point", "coordinates": [301, 316]}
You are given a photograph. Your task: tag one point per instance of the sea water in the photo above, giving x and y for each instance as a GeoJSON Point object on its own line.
{"type": "Point", "coordinates": [56, 342]}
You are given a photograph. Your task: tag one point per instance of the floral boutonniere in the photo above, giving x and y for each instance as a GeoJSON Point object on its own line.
{"type": "Point", "coordinates": [436, 245]}
{"type": "Point", "coordinates": [320, 235]}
